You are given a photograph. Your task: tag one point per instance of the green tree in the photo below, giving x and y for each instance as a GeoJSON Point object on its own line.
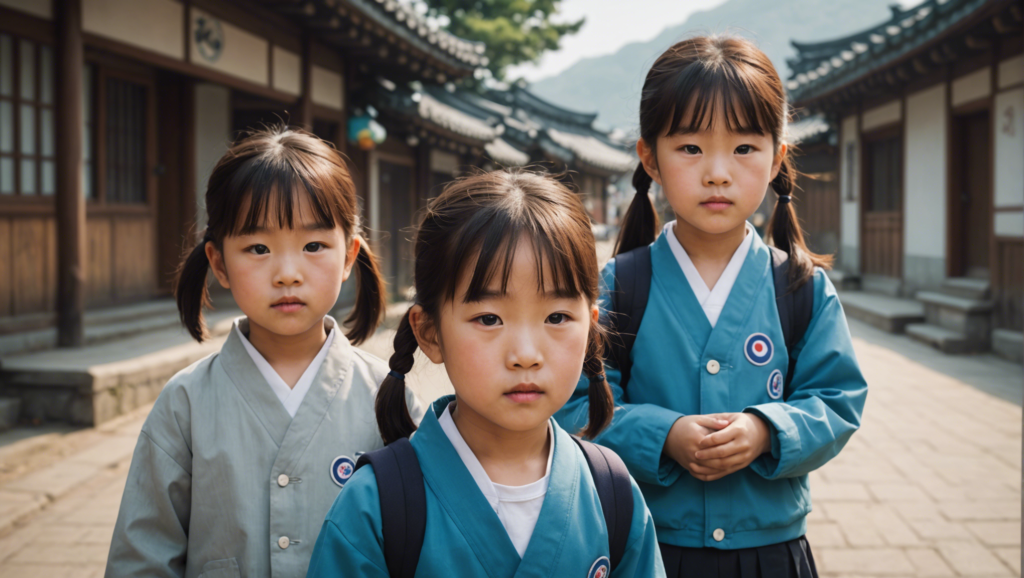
{"type": "Point", "coordinates": [514, 31]}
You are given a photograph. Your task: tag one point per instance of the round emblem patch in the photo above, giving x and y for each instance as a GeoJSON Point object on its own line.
{"type": "Point", "coordinates": [342, 469]}
{"type": "Point", "coordinates": [758, 349]}
{"type": "Point", "coordinates": [600, 569]}
{"type": "Point", "coordinates": [775, 382]}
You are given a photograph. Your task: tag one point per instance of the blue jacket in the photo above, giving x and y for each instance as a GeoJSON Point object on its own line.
{"type": "Point", "coordinates": [464, 536]}
{"type": "Point", "coordinates": [767, 502]}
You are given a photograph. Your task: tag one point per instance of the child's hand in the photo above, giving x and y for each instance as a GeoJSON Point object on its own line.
{"type": "Point", "coordinates": [732, 448]}
{"type": "Point", "coordinates": [687, 432]}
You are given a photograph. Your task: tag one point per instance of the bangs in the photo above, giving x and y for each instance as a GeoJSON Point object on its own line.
{"type": "Point", "coordinates": [706, 90]}
{"type": "Point", "coordinates": [493, 237]}
{"type": "Point", "coordinates": [267, 190]}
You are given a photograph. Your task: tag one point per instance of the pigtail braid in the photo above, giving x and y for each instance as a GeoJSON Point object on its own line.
{"type": "Point", "coordinates": [599, 393]}
{"type": "Point", "coordinates": [786, 234]}
{"type": "Point", "coordinates": [393, 417]}
{"type": "Point", "coordinates": [640, 223]}
{"type": "Point", "coordinates": [370, 296]}
{"type": "Point", "coordinates": [191, 291]}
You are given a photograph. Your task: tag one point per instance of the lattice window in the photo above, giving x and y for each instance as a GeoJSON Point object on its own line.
{"type": "Point", "coordinates": [27, 124]}
{"type": "Point", "coordinates": [125, 142]}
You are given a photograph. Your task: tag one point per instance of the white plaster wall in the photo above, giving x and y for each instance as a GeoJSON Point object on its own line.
{"type": "Point", "coordinates": [213, 136]}
{"type": "Point", "coordinates": [154, 25]}
{"type": "Point", "coordinates": [924, 181]}
{"type": "Point", "coordinates": [327, 89]}
{"type": "Point", "coordinates": [1008, 118]}
{"type": "Point", "coordinates": [40, 8]}
{"type": "Point", "coordinates": [287, 71]}
{"type": "Point", "coordinates": [243, 54]}
{"type": "Point", "coordinates": [1010, 224]}
{"type": "Point", "coordinates": [973, 86]}
{"type": "Point", "coordinates": [1011, 71]}
{"type": "Point", "coordinates": [887, 113]}
{"type": "Point", "coordinates": [849, 183]}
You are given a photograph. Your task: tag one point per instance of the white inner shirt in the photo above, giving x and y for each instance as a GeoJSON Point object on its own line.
{"type": "Point", "coordinates": [711, 300]}
{"type": "Point", "coordinates": [291, 397]}
{"type": "Point", "coordinates": [518, 507]}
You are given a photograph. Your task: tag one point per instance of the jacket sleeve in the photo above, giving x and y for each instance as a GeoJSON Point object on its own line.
{"type": "Point", "coordinates": [825, 399]}
{"type": "Point", "coordinates": [151, 533]}
{"type": "Point", "coordinates": [351, 540]}
{"type": "Point", "coordinates": [643, 555]}
{"type": "Point", "coordinates": [638, 431]}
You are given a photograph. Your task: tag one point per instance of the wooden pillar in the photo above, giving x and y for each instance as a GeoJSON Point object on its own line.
{"type": "Point", "coordinates": [305, 117]}
{"type": "Point", "coordinates": [70, 204]}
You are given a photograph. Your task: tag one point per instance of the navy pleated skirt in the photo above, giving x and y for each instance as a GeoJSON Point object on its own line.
{"type": "Point", "coordinates": [791, 559]}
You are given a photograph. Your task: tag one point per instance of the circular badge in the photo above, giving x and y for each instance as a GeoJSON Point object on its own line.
{"type": "Point", "coordinates": [600, 568]}
{"type": "Point", "coordinates": [775, 382]}
{"type": "Point", "coordinates": [342, 469]}
{"type": "Point", "coordinates": [758, 349]}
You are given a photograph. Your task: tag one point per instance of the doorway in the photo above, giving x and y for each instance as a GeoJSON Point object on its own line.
{"type": "Point", "coordinates": [971, 196]}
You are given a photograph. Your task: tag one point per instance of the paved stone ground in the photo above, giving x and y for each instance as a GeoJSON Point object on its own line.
{"type": "Point", "coordinates": [930, 486]}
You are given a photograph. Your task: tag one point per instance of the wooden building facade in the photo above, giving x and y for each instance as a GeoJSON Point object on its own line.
{"type": "Point", "coordinates": [930, 111]}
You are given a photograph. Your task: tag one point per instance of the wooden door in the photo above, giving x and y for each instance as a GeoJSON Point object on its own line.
{"type": "Point", "coordinates": [971, 196]}
{"type": "Point", "coordinates": [396, 212]}
{"type": "Point", "coordinates": [882, 222]}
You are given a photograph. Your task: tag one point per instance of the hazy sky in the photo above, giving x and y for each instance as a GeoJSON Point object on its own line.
{"type": "Point", "coordinates": [609, 28]}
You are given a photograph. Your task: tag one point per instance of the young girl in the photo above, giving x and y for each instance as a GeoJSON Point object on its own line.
{"type": "Point", "coordinates": [716, 424]}
{"type": "Point", "coordinates": [245, 450]}
{"type": "Point", "coordinates": [506, 286]}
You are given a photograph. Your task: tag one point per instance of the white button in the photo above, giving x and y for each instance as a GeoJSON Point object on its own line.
{"type": "Point", "coordinates": [283, 541]}
{"type": "Point", "coordinates": [282, 480]}
{"type": "Point", "coordinates": [718, 535]}
{"type": "Point", "coordinates": [713, 367]}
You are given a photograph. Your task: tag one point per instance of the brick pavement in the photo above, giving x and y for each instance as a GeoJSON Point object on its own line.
{"type": "Point", "coordinates": [930, 486]}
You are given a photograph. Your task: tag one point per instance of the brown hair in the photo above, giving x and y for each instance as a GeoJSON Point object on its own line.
{"type": "Point", "coordinates": [478, 221]}
{"type": "Point", "coordinates": [265, 171]}
{"type": "Point", "coordinates": [700, 75]}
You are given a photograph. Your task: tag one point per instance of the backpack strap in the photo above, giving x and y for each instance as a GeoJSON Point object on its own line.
{"type": "Point", "coordinates": [403, 504]}
{"type": "Point", "coordinates": [628, 303]}
{"type": "Point", "coordinates": [796, 306]}
{"type": "Point", "coordinates": [611, 479]}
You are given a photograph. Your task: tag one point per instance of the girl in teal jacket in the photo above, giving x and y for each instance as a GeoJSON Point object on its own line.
{"type": "Point", "coordinates": [506, 282]}
{"type": "Point", "coordinates": [715, 423]}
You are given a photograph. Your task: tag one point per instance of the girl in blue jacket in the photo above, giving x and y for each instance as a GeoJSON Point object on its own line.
{"type": "Point", "coordinates": [506, 282]}
{"type": "Point", "coordinates": [717, 425]}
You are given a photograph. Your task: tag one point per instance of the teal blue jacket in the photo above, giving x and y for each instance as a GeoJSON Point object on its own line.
{"type": "Point", "coordinates": [465, 538]}
{"type": "Point", "coordinates": [767, 502]}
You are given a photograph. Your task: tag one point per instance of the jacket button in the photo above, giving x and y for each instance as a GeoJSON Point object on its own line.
{"type": "Point", "coordinates": [718, 535]}
{"type": "Point", "coordinates": [282, 480]}
{"type": "Point", "coordinates": [713, 367]}
{"type": "Point", "coordinates": [283, 542]}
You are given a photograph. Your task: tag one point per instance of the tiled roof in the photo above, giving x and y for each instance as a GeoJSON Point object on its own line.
{"type": "Point", "coordinates": [593, 151]}
{"type": "Point", "coordinates": [506, 154]}
{"type": "Point", "coordinates": [807, 129]}
{"type": "Point", "coordinates": [413, 27]}
{"type": "Point", "coordinates": [822, 66]}
{"type": "Point", "coordinates": [414, 103]}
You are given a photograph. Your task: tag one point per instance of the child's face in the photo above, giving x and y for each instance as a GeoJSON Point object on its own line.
{"type": "Point", "coordinates": [285, 280]}
{"type": "Point", "coordinates": [514, 359]}
{"type": "Point", "coordinates": [713, 179]}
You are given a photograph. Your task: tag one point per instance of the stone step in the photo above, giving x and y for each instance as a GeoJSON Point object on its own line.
{"type": "Point", "coordinates": [968, 288]}
{"type": "Point", "coordinates": [954, 302]}
{"type": "Point", "coordinates": [945, 340]}
{"type": "Point", "coordinates": [968, 316]}
{"type": "Point", "coordinates": [92, 384]}
{"type": "Point", "coordinates": [844, 281]}
{"type": "Point", "coordinates": [1008, 344]}
{"type": "Point", "coordinates": [887, 313]}
{"type": "Point", "coordinates": [888, 286]}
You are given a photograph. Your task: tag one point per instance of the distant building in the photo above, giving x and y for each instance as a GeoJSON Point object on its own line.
{"type": "Point", "coordinates": [930, 155]}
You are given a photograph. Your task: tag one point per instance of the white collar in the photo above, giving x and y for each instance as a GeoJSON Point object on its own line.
{"type": "Point", "coordinates": [711, 300]}
{"type": "Point", "coordinates": [291, 397]}
{"type": "Point", "coordinates": [483, 481]}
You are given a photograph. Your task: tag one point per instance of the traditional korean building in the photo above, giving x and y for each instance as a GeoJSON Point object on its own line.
{"type": "Point", "coordinates": [930, 156]}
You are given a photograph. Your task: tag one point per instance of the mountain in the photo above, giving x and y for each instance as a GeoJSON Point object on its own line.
{"type": "Point", "coordinates": [610, 85]}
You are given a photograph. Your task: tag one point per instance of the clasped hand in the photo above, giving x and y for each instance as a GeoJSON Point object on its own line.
{"type": "Point", "coordinates": [713, 446]}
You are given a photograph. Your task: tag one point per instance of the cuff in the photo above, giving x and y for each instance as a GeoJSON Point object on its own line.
{"type": "Point", "coordinates": [785, 441]}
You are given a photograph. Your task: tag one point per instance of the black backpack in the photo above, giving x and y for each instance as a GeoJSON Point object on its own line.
{"type": "Point", "coordinates": [403, 501]}
{"type": "Point", "coordinates": [633, 288]}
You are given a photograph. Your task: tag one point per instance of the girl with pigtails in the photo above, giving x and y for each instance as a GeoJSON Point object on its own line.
{"type": "Point", "coordinates": [244, 451]}
{"type": "Point", "coordinates": [506, 282]}
{"type": "Point", "coordinates": [733, 375]}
